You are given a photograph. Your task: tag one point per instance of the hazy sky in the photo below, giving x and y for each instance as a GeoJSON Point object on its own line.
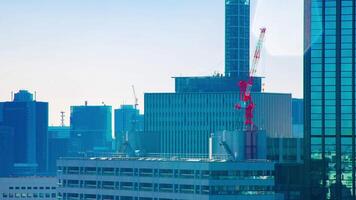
{"type": "Point", "coordinates": [70, 51]}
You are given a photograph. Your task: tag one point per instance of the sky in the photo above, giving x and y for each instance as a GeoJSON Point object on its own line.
{"type": "Point", "coordinates": [71, 51]}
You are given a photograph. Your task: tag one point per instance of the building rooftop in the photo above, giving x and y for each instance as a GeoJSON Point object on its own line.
{"type": "Point", "coordinates": [164, 159]}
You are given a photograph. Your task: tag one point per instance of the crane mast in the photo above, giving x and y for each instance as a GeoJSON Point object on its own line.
{"type": "Point", "coordinates": [135, 96]}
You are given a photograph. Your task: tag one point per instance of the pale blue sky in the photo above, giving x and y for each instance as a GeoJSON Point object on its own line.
{"type": "Point", "coordinates": [70, 51]}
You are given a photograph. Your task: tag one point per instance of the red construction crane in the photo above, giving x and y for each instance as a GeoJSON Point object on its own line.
{"type": "Point", "coordinates": [246, 86]}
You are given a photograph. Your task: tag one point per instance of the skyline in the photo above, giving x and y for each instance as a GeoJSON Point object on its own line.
{"type": "Point", "coordinates": [50, 46]}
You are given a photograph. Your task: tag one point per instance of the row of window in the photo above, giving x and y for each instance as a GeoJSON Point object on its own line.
{"type": "Point", "coordinates": [29, 195]}
{"type": "Point", "coordinates": [31, 188]}
{"type": "Point", "coordinates": [168, 188]}
{"type": "Point", "coordinates": [74, 196]}
{"type": "Point", "coordinates": [170, 173]}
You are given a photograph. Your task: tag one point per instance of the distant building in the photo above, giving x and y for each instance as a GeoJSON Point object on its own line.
{"type": "Point", "coordinates": [216, 83]}
{"type": "Point", "coordinates": [91, 129]}
{"type": "Point", "coordinates": [237, 38]}
{"type": "Point", "coordinates": [185, 121]}
{"type": "Point", "coordinates": [127, 120]}
{"type": "Point", "coordinates": [7, 148]}
{"type": "Point", "coordinates": [29, 120]}
{"type": "Point", "coordinates": [298, 117]}
{"type": "Point", "coordinates": [58, 145]}
{"type": "Point", "coordinates": [29, 188]}
{"type": "Point", "coordinates": [159, 178]}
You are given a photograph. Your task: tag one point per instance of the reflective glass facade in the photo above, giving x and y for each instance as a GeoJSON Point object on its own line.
{"type": "Point", "coordinates": [329, 72]}
{"type": "Point", "coordinates": [237, 37]}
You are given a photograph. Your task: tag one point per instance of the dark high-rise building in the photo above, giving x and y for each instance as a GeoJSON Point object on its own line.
{"type": "Point", "coordinates": [237, 38]}
{"type": "Point", "coordinates": [329, 92]}
{"type": "Point", "coordinates": [29, 121]}
{"type": "Point", "coordinates": [90, 129]}
{"type": "Point", "coordinates": [7, 147]}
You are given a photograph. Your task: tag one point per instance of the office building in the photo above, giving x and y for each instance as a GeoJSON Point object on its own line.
{"type": "Point", "coordinates": [119, 178]}
{"type": "Point", "coordinates": [90, 129]}
{"type": "Point", "coordinates": [185, 121]}
{"type": "Point", "coordinates": [29, 120]}
{"type": "Point", "coordinates": [7, 148]}
{"type": "Point", "coordinates": [298, 118]}
{"type": "Point", "coordinates": [29, 188]}
{"type": "Point", "coordinates": [127, 120]}
{"type": "Point", "coordinates": [237, 38]}
{"type": "Point", "coordinates": [58, 146]}
{"type": "Point", "coordinates": [329, 93]}
{"type": "Point", "coordinates": [285, 150]}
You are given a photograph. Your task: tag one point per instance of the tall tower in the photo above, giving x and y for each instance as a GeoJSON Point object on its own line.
{"type": "Point", "coordinates": [29, 121]}
{"type": "Point", "coordinates": [329, 92]}
{"type": "Point", "coordinates": [237, 38]}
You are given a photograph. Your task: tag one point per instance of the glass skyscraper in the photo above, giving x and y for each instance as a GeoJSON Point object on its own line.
{"type": "Point", "coordinates": [237, 38]}
{"type": "Point", "coordinates": [329, 91]}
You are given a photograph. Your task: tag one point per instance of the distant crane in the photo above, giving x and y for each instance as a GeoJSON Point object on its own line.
{"type": "Point", "coordinates": [246, 86]}
{"type": "Point", "coordinates": [247, 103]}
{"type": "Point", "coordinates": [135, 96]}
{"type": "Point", "coordinates": [125, 146]}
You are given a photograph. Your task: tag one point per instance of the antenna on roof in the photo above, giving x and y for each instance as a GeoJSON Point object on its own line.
{"type": "Point", "coordinates": [62, 118]}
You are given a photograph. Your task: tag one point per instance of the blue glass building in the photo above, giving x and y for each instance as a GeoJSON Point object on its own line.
{"type": "Point", "coordinates": [127, 120]}
{"type": "Point", "coordinates": [329, 91]}
{"type": "Point", "coordinates": [90, 129]}
{"type": "Point", "coordinates": [7, 147]}
{"type": "Point", "coordinates": [237, 38]}
{"type": "Point", "coordinates": [29, 120]}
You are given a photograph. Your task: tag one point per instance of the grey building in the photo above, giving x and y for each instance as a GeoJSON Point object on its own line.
{"type": "Point", "coordinates": [148, 178]}
{"type": "Point", "coordinates": [29, 120]}
{"type": "Point", "coordinates": [29, 188]}
{"type": "Point", "coordinates": [91, 129]}
{"type": "Point", "coordinates": [185, 121]}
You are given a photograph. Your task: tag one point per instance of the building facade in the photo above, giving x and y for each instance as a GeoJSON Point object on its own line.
{"type": "Point", "coordinates": [329, 92]}
{"type": "Point", "coordinates": [58, 146]}
{"type": "Point", "coordinates": [29, 121]}
{"type": "Point", "coordinates": [127, 120]}
{"type": "Point", "coordinates": [185, 121]}
{"type": "Point", "coordinates": [7, 148]}
{"type": "Point", "coordinates": [237, 38]}
{"type": "Point", "coordinates": [29, 188]}
{"type": "Point", "coordinates": [298, 118]}
{"type": "Point", "coordinates": [158, 178]}
{"type": "Point", "coordinates": [90, 129]}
